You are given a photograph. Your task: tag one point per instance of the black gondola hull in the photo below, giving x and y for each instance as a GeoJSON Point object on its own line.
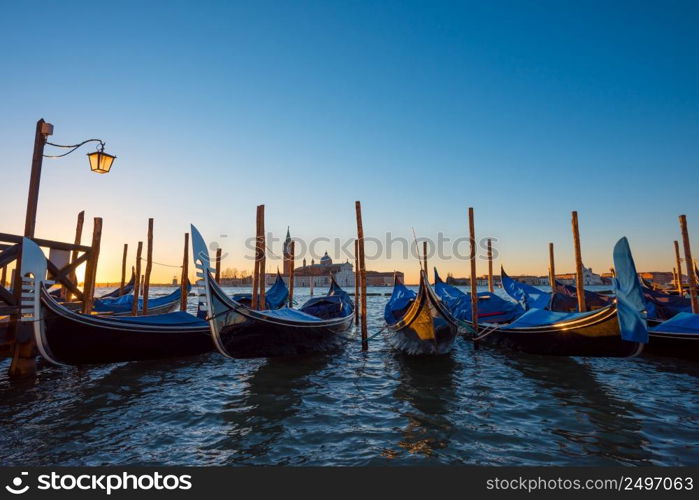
{"type": "Point", "coordinates": [75, 339]}
{"type": "Point", "coordinates": [673, 345]}
{"type": "Point", "coordinates": [426, 327]}
{"type": "Point", "coordinates": [251, 339]}
{"type": "Point", "coordinates": [240, 332]}
{"type": "Point", "coordinates": [597, 335]}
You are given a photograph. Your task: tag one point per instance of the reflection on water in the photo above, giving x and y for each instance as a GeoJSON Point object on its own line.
{"type": "Point", "coordinates": [352, 408]}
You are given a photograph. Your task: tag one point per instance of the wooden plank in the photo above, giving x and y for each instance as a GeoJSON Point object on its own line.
{"type": "Point", "coordinates": [59, 276]}
{"type": "Point", "coordinates": [59, 245]}
{"type": "Point", "coordinates": [579, 283]}
{"type": "Point", "coordinates": [7, 297]}
{"type": "Point", "coordinates": [9, 255]}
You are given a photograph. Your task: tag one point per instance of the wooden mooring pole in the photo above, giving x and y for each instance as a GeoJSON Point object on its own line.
{"type": "Point", "coordinates": [678, 263]}
{"type": "Point", "coordinates": [258, 258]}
{"type": "Point", "coordinates": [123, 267]}
{"type": "Point", "coordinates": [474, 281]}
{"type": "Point", "coordinates": [263, 260]}
{"type": "Point", "coordinates": [689, 264]}
{"type": "Point", "coordinates": [149, 267]}
{"type": "Point", "coordinates": [356, 282]}
{"type": "Point", "coordinates": [23, 358]}
{"type": "Point", "coordinates": [218, 265]}
{"type": "Point", "coordinates": [362, 275]}
{"type": "Point", "coordinates": [491, 287]}
{"type": "Point", "coordinates": [91, 268]}
{"type": "Point", "coordinates": [579, 283]}
{"type": "Point", "coordinates": [184, 279]}
{"type": "Point", "coordinates": [552, 269]}
{"type": "Point", "coordinates": [424, 259]}
{"type": "Point", "coordinates": [137, 280]}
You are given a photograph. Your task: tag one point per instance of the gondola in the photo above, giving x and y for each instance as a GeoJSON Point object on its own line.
{"type": "Point", "coordinates": [124, 290]}
{"type": "Point", "coordinates": [241, 332]}
{"type": "Point", "coordinates": [563, 298]}
{"type": "Point", "coordinates": [491, 307]}
{"type": "Point", "coordinates": [64, 337]}
{"type": "Point", "coordinates": [677, 337]}
{"type": "Point", "coordinates": [616, 330]}
{"type": "Point", "coordinates": [275, 298]}
{"type": "Point", "coordinates": [529, 297]}
{"type": "Point", "coordinates": [122, 306]}
{"type": "Point", "coordinates": [419, 323]}
{"type": "Point", "coordinates": [662, 306]}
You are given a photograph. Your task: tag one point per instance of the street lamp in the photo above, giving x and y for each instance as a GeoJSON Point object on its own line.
{"type": "Point", "coordinates": [100, 162]}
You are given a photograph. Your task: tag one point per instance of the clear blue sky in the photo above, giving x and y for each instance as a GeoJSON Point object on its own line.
{"type": "Point", "coordinates": [524, 110]}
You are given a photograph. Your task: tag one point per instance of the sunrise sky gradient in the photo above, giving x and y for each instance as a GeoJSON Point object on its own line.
{"type": "Point", "coordinates": [523, 110]}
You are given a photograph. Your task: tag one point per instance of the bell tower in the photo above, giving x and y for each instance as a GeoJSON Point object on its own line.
{"type": "Point", "coordinates": [287, 254]}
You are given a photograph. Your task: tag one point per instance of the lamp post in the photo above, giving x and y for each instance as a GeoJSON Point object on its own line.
{"type": "Point", "coordinates": [100, 162]}
{"type": "Point", "coordinates": [23, 357]}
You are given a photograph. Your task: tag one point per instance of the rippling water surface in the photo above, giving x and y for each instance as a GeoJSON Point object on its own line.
{"type": "Point", "coordinates": [355, 408]}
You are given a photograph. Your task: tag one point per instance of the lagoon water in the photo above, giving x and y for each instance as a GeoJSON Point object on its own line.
{"type": "Point", "coordinates": [483, 406]}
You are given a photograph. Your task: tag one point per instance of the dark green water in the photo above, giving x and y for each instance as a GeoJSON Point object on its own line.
{"type": "Point", "coordinates": [355, 408]}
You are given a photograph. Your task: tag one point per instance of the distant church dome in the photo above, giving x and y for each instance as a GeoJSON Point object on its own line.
{"type": "Point", "coordinates": [325, 260]}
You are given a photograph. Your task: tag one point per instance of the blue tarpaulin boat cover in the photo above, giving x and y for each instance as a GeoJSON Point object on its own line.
{"type": "Point", "coordinates": [685, 323]}
{"type": "Point", "coordinates": [275, 297]}
{"type": "Point", "coordinates": [491, 307]}
{"type": "Point", "coordinates": [128, 288]}
{"type": "Point", "coordinates": [629, 297]}
{"type": "Point", "coordinates": [526, 295]}
{"type": "Point", "coordinates": [287, 313]}
{"type": "Point", "coordinates": [170, 319]}
{"type": "Point", "coordinates": [664, 306]}
{"type": "Point", "coordinates": [125, 302]}
{"type": "Point", "coordinates": [543, 317]}
{"type": "Point", "coordinates": [401, 298]}
{"type": "Point", "coordinates": [336, 304]}
{"type": "Point", "coordinates": [565, 298]}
